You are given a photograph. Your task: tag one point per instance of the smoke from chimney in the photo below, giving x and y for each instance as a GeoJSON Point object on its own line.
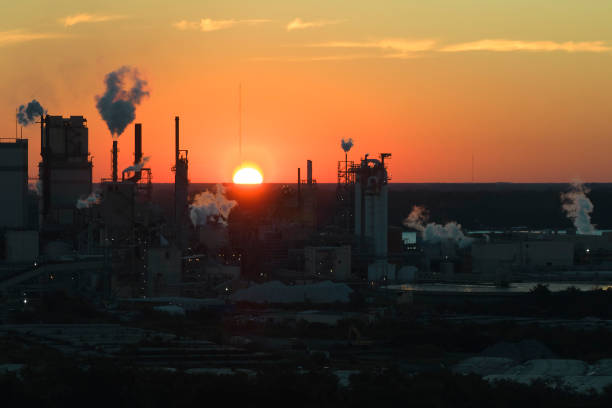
{"type": "Point", "coordinates": [434, 233]}
{"type": "Point", "coordinates": [87, 202]}
{"type": "Point", "coordinates": [346, 144]}
{"type": "Point", "coordinates": [27, 114]}
{"type": "Point", "coordinates": [118, 104]}
{"type": "Point", "coordinates": [578, 208]}
{"type": "Point", "coordinates": [211, 207]}
{"type": "Point", "coordinates": [137, 166]}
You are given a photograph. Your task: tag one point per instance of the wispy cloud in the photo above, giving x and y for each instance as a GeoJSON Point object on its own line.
{"type": "Point", "coordinates": [79, 18]}
{"type": "Point", "coordinates": [345, 57]}
{"type": "Point", "coordinates": [501, 45]}
{"type": "Point", "coordinates": [392, 47]}
{"type": "Point", "coordinates": [298, 24]}
{"type": "Point", "coordinates": [20, 36]}
{"type": "Point", "coordinates": [208, 25]}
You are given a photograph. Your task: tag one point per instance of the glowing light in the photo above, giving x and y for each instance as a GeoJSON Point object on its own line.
{"type": "Point", "coordinates": [247, 175]}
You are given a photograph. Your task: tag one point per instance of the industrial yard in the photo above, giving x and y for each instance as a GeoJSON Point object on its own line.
{"type": "Point", "coordinates": [336, 204]}
{"type": "Point", "coordinates": [233, 280]}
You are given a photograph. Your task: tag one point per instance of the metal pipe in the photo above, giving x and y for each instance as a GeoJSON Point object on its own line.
{"type": "Point", "coordinates": [114, 158]}
{"type": "Point", "coordinates": [137, 143]}
{"type": "Point", "coordinates": [299, 189]}
{"type": "Point", "coordinates": [176, 140]}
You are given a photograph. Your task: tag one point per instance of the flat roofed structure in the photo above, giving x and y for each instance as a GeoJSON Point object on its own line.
{"type": "Point", "coordinates": [65, 170]}
{"type": "Point", "coordinates": [14, 182]}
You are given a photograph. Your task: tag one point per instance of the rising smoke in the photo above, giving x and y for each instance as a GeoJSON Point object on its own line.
{"type": "Point", "coordinates": [118, 104]}
{"type": "Point", "coordinates": [211, 207]}
{"type": "Point", "coordinates": [434, 233]}
{"type": "Point", "coordinates": [346, 144]}
{"type": "Point", "coordinates": [138, 166]}
{"type": "Point", "coordinates": [89, 201]}
{"type": "Point", "coordinates": [578, 208]}
{"type": "Point", "coordinates": [27, 114]}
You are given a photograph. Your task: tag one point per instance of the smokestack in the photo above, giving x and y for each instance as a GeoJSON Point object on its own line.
{"type": "Point", "coordinates": [137, 143]}
{"type": "Point", "coordinates": [42, 134]}
{"type": "Point", "coordinates": [114, 158]}
{"type": "Point", "coordinates": [176, 139]}
{"type": "Point", "coordinates": [309, 171]}
{"type": "Point", "coordinates": [299, 188]}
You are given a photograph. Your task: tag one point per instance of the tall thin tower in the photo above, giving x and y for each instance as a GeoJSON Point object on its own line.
{"type": "Point", "coordinates": [472, 167]}
{"type": "Point", "coordinates": [240, 121]}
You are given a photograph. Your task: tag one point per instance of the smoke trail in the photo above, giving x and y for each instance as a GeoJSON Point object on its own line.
{"type": "Point", "coordinates": [118, 105]}
{"type": "Point", "coordinates": [138, 166]}
{"type": "Point", "coordinates": [434, 233]}
{"type": "Point", "coordinates": [211, 206]}
{"type": "Point", "coordinates": [89, 201]}
{"type": "Point", "coordinates": [578, 208]}
{"type": "Point", "coordinates": [346, 144]}
{"type": "Point", "coordinates": [27, 114]}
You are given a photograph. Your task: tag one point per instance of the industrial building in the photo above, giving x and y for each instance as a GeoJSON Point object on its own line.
{"type": "Point", "coordinates": [65, 170]}
{"type": "Point", "coordinates": [118, 242]}
{"type": "Point", "coordinates": [14, 180]}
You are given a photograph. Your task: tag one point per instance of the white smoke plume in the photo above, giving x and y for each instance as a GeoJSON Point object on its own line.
{"type": "Point", "coordinates": [346, 144]}
{"type": "Point", "coordinates": [138, 166]}
{"type": "Point", "coordinates": [89, 201]}
{"type": "Point", "coordinates": [209, 206]}
{"type": "Point", "coordinates": [578, 208]}
{"type": "Point", "coordinates": [434, 233]}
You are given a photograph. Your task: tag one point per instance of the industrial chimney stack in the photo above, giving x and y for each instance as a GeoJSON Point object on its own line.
{"type": "Point", "coordinates": [309, 172]}
{"type": "Point", "coordinates": [176, 140]}
{"type": "Point", "coordinates": [137, 143]}
{"type": "Point", "coordinates": [114, 158]}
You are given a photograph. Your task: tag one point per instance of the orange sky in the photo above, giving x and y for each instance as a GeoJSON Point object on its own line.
{"type": "Point", "coordinates": [525, 85]}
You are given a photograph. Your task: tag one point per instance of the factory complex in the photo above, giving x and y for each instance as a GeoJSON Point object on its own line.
{"type": "Point", "coordinates": [110, 240]}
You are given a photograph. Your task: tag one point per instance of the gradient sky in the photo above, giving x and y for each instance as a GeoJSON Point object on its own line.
{"type": "Point", "coordinates": [526, 86]}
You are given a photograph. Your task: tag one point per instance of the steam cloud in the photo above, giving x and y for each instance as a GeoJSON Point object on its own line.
{"type": "Point", "coordinates": [578, 208]}
{"type": "Point", "coordinates": [27, 114]}
{"type": "Point", "coordinates": [346, 144]}
{"type": "Point", "coordinates": [118, 105]}
{"type": "Point", "coordinates": [138, 166]}
{"type": "Point", "coordinates": [434, 233]}
{"type": "Point", "coordinates": [89, 201]}
{"type": "Point", "coordinates": [210, 207]}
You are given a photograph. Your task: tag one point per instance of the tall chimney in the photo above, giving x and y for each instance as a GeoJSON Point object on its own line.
{"type": "Point", "coordinates": [114, 153]}
{"type": "Point", "coordinates": [299, 189]}
{"type": "Point", "coordinates": [309, 171]}
{"type": "Point", "coordinates": [137, 143]}
{"type": "Point", "coordinates": [176, 140]}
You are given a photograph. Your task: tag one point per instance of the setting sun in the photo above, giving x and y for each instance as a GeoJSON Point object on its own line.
{"type": "Point", "coordinates": [247, 175]}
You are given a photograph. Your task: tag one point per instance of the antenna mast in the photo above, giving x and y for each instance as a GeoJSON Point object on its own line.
{"type": "Point", "coordinates": [240, 121]}
{"type": "Point", "coordinates": [472, 167]}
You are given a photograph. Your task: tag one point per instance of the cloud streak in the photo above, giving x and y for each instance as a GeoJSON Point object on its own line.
{"type": "Point", "coordinates": [390, 47]}
{"type": "Point", "coordinates": [80, 18]}
{"type": "Point", "coordinates": [502, 45]}
{"type": "Point", "coordinates": [343, 57]}
{"type": "Point", "coordinates": [402, 48]}
{"type": "Point", "coordinates": [21, 36]}
{"type": "Point", "coordinates": [298, 24]}
{"type": "Point", "coordinates": [208, 25]}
